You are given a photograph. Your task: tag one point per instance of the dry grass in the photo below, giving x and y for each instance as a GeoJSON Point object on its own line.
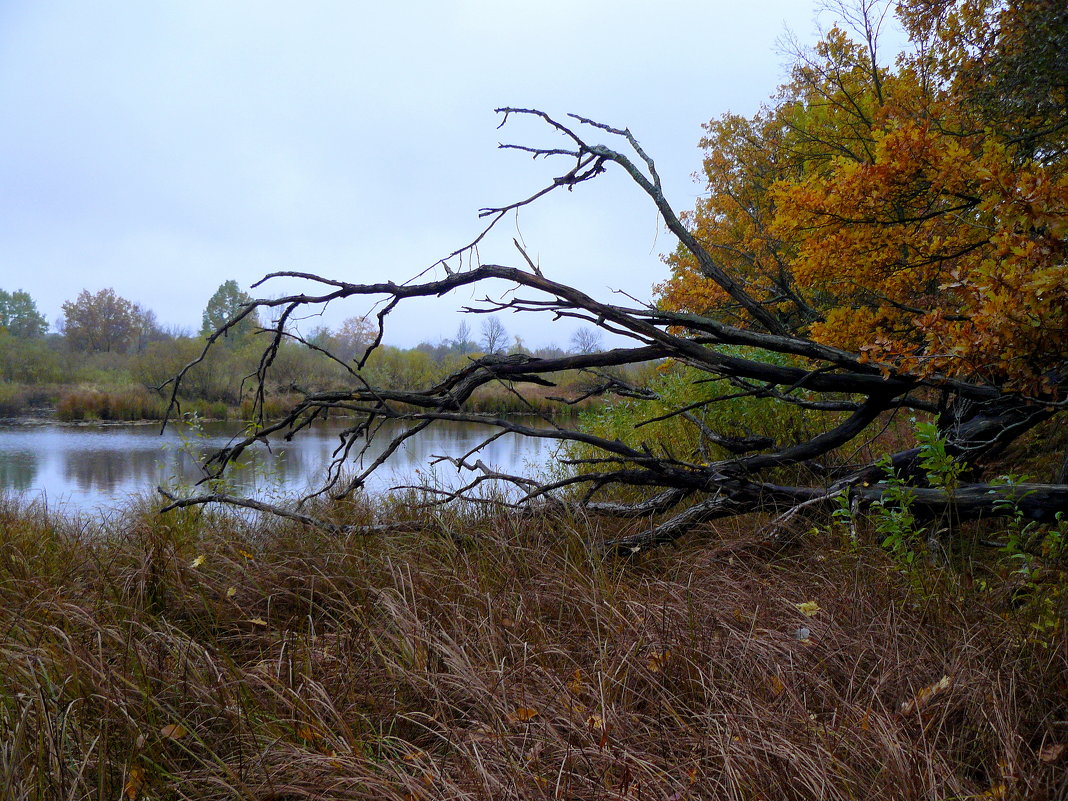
{"type": "Point", "coordinates": [200, 658]}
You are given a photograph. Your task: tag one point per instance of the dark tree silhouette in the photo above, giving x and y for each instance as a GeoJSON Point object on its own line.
{"type": "Point", "coordinates": [976, 420]}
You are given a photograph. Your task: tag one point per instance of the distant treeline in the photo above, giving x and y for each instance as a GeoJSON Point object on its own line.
{"type": "Point", "coordinates": [110, 359]}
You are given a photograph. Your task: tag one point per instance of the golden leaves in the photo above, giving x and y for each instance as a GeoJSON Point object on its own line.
{"type": "Point", "coordinates": [576, 685]}
{"type": "Point", "coordinates": [862, 208]}
{"type": "Point", "coordinates": [775, 684]}
{"type": "Point", "coordinates": [657, 660]}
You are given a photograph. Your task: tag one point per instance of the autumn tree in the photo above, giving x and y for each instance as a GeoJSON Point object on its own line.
{"type": "Point", "coordinates": [354, 337]}
{"type": "Point", "coordinates": [101, 322]}
{"type": "Point", "coordinates": [881, 210]}
{"type": "Point", "coordinates": [225, 306]}
{"type": "Point", "coordinates": [868, 246]}
{"type": "Point", "coordinates": [19, 315]}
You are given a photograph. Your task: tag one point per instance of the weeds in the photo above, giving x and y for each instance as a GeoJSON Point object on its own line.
{"type": "Point", "coordinates": [208, 656]}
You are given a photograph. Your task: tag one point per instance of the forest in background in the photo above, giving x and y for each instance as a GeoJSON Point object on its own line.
{"type": "Point", "coordinates": [110, 359]}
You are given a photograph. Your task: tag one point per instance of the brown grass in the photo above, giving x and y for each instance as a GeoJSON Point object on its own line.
{"type": "Point", "coordinates": [501, 660]}
{"type": "Point", "coordinates": [131, 403]}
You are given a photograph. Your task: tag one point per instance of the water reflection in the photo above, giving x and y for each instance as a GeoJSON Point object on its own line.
{"type": "Point", "coordinates": [18, 469]}
{"type": "Point", "coordinates": [94, 467]}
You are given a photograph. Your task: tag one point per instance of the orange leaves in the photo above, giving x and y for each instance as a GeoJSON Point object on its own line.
{"type": "Point", "coordinates": [522, 714]}
{"type": "Point", "coordinates": [135, 781]}
{"type": "Point", "coordinates": [887, 217]}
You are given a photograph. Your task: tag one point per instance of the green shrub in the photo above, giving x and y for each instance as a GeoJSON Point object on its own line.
{"type": "Point", "coordinates": [13, 400]}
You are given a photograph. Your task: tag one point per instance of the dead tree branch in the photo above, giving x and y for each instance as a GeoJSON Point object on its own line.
{"type": "Point", "coordinates": [844, 394]}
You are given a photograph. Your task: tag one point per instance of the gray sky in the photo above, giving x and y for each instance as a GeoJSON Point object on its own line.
{"type": "Point", "coordinates": [161, 148]}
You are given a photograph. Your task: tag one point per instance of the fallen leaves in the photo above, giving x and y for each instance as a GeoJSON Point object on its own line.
{"type": "Point", "coordinates": [135, 780]}
{"type": "Point", "coordinates": [926, 695]}
{"type": "Point", "coordinates": [575, 685]}
{"type": "Point", "coordinates": [522, 714]}
{"type": "Point", "coordinates": [657, 660]}
{"type": "Point", "coordinates": [808, 608]}
{"type": "Point", "coordinates": [174, 731]}
{"type": "Point", "coordinates": [1053, 752]}
{"type": "Point", "coordinates": [776, 684]}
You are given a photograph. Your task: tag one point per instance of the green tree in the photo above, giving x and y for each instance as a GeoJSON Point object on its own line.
{"type": "Point", "coordinates": [225, 305]}
{"type": "Point", "coordinates": [103, 322]}
{"type": "Point", "coordinates": [19, 315]}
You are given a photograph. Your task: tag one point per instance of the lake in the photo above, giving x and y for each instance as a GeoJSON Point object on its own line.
{"type": "Point", "coordinates": [91, 468]}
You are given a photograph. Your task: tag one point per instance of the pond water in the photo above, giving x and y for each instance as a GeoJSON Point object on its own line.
{"type": "Point", "coordinates": [91, 468]}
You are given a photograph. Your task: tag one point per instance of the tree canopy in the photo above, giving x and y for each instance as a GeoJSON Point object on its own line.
{"type": "Point", "coordinates": [19, 315]}
{"type": "Point", "coordinates": [914, 214]}
{"type": "Point", "coordinates": [224, 306]}
{"type": "Point", "coordinates": [102, 321]}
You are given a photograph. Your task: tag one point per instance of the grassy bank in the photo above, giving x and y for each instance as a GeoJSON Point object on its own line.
{"type": "Point", "coordinates": [194, 657]}
{"type": "Point", "coordinates": [130, 403]}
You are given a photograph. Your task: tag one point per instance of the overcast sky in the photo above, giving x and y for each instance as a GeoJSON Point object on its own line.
{"type": "Point", "coordinates": [161, 148]}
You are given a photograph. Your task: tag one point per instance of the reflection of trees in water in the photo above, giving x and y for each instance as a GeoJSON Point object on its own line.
{"type": "Point", "coordinates": [18, 469]}
{"type": "Point", "coordinates": [280, 466]}
{"type": "Point", "coordinates": [137, 460]}
{"type": "Point", "coordinates": [106, 470]}
{"type": "Point", "coordinates": [509, 453]}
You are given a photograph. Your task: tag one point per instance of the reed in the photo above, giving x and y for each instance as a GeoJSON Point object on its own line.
{"type": "Point", "coordinates": [14, 399]}
{"type": "Point", "coordinates": [129, 403]}
{"type": "Point", "coordinates": [207, 656]}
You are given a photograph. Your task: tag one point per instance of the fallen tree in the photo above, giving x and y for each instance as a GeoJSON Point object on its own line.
{"type": "Point", "coordinates": [875, 242]}
{"type": "Point", "coordinates": [977, 419]}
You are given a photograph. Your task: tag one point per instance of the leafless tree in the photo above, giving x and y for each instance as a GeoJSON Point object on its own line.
{"type": "Point", "coordinates": [587, 340]}
{"type": "Point", "coordinates": [462, 340]}
{"type": "Point", "coordinates": [738, 473]}
{"type": "Point", "coordinates": [494, 335]}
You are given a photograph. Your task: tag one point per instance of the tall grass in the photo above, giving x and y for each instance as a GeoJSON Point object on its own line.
{"type": "Point", "coordinates": [136, 403]}
{"type": "Point", "coordinates": [130, 403]}
{"type": "Point", "coordinates": [487, 657]}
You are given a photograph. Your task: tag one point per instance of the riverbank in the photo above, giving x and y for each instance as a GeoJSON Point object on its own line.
{"type": "Point", "coordinates": [202, 656]}
{"type": "Point", "coordinates": [95, 404]}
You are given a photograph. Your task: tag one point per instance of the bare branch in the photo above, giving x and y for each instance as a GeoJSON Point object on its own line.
{"type": "Point", "coordinates": [842, 394]}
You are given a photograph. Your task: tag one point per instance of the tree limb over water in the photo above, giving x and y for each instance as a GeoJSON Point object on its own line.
{"type": "Point", "coordinates": [737, 473]}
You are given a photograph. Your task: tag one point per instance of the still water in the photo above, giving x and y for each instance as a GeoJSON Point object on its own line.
{"type": "Point", "coordinates": [95, 468]}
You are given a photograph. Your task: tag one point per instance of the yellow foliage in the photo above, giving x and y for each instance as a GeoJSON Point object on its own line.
{"type": "Point", "coordinates": [808, 608]}
{"type": "Point", "coordinates": [883, 211]}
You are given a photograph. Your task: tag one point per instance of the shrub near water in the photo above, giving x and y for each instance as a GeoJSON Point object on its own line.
{"type": "Point", "coordinates": [488, 657]}
{"type": "Point", "coordinates": [13, 400]}
{"type": "Point", "coordinates": [134, 403]}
